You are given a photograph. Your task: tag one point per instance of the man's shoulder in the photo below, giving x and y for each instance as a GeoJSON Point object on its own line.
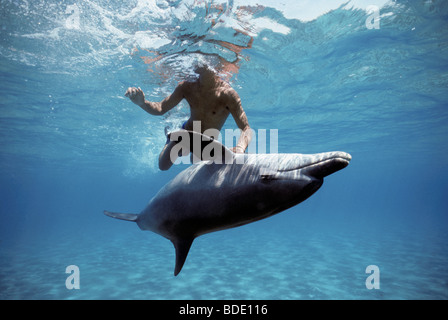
{"type": "Point", "coordinates": [185, 87]}
{"type": "Point", "coordinates": [186, 84]}
{"type": "Point", "coordinates": [230, 93]}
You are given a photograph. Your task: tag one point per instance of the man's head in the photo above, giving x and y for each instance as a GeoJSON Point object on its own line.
{"type": "Point", "coordinates": [202, 69]}
{"type": "Point", "coordinates": [207, 76]}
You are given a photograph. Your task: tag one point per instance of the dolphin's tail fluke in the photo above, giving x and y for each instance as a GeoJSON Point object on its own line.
{"type": "Point", "coordinates": [122, 216]}
{"type": "Point", "coordinates": [182, 247]}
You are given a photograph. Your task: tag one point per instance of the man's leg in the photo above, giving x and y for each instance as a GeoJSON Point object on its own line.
{"type": "Point", "coordinates": [166, 159]}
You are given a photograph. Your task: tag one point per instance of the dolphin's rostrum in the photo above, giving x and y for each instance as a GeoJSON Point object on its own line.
{"type": "Point", "coordinates": [255, 187]}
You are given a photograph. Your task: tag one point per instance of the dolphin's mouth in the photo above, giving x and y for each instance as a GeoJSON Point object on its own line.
{"type": "Point", "coordinates": [322, 158]}
{"type": "Point", "coordinates": [323, 164]}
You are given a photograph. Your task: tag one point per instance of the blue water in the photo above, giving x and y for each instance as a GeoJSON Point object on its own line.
{"type": "Point", "coordinates": [71, 145]}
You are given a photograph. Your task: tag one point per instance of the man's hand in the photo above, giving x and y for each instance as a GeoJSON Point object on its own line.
{"type": "Point", "coordinates": [136, 95]}
{"type": "Point", "coordinates": [237, 149]}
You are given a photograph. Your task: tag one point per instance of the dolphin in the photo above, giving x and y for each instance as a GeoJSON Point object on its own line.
{"type": "Point", "coordinates": [210, 196]}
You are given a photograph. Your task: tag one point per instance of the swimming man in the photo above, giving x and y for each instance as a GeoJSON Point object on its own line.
{"type": "Point", "coordinates": [211, 101]}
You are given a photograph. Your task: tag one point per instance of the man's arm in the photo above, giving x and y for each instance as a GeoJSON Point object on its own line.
{"type": "Point", "coordinates": [156, 108]}
{"type": "Point", "coordinates": [240, 117]}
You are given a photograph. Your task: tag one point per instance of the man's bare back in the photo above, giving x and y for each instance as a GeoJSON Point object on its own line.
{"type": "Point", "coordinates": [211, 101]}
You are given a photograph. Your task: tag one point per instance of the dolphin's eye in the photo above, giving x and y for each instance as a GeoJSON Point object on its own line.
{"type": "Point", "coordinates": [267, 177]}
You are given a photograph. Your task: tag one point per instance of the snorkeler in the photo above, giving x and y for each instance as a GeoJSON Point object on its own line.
{"type": "Point", "coordinates": [211, 100]}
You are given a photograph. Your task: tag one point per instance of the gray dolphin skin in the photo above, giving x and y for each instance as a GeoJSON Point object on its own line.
{"type": "Point", "coordinates": [211, 196]}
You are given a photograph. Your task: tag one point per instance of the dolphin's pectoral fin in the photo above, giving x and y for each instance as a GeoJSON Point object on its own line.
{"type": "Point", "coordinates": [122, 216]}
{"type": "Point", "coordinates": [182, 247]}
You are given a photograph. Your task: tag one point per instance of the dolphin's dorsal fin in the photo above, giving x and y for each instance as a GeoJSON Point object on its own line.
{"type": "Point", "coordinates": [208, 148]}
{"type": "Point", "coordinates": [182, 247]}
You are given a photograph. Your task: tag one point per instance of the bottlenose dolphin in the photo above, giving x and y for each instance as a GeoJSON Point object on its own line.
{"type": "Point", "coordinates": [210, 196]}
